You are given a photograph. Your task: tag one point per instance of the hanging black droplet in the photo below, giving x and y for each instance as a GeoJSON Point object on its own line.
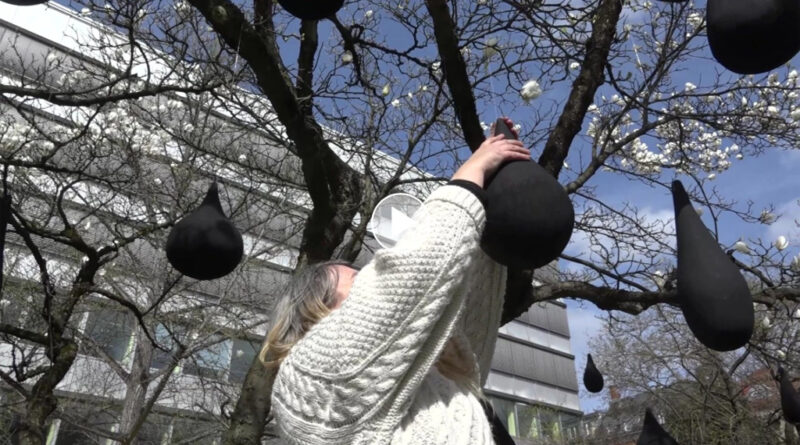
{"type": "Point", "coordinates": [529, 217]}
{"type": "Point", "coordinates": [592, 378]}
{"type": "Point", "coordinates": [753, 36]}
{"type": "Point", "coordinates": [311, 9]}
{"type": "Point", "coordinates": [653, 433]}
{"type": "Point", "coordinates": [790, 400]}
{"type": "Point", "coordinates": [205, 244]}
{"type": "Point", "coordinates": [713, 295]}
{"type": "Point", "coordinates": [5, 217]}
{"type": "Point", "coordinates": [24, 2]}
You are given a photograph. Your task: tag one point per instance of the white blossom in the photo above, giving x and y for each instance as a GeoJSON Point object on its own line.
{"type": "Point", "coordinates": [368, 15]}
{"type": "Point", "coordinates": [766, 322]}
{"type": "Point", "coordinates": [386, 90]}
{"type": "Point", "coordinates": [781, 354]}
{"type": "Point", "coordinates": [741, 246]}
{"type": "Point", "coordinates": [574, 66]}
{"type": "Point", "coordinates": [767, 217]}
{"type": "Point", "coordinates": [531, 90]}
{"type": "Point", "coordinates": [242, 158]}
{"type": "Point", "coordinates": [689, 87]}
{"type": "Point", "coordinates": [347, 57]}
{"type": "Point", "coordinates": [86, 12]}
{"type": "Point", "coordinates": [781, 243]}
{"type": "Point", "coordinates": [695, 19]}
{"type": "Point", "coordinates": [711, 176]}
{"type": "Point", "coordinates": [796, 314]}
{"type": "Point", "coordinates": [396, 103]}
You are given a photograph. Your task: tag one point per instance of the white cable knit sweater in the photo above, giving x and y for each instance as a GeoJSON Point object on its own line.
{"type": "Point", "coordinates": [365, 374]}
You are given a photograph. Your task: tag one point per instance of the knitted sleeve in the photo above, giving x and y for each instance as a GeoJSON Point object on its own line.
{"type": "Point", "coordinates": [370, 355]}
{"type": "Point", "coordinates": [483, 311]}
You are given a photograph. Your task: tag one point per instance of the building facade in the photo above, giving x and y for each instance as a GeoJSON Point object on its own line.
{"type": "Point", "coordinates": [532, 383]}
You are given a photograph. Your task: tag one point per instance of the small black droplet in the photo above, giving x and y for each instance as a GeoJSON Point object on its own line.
{"type": "Point", "coordinates": [592, 378]}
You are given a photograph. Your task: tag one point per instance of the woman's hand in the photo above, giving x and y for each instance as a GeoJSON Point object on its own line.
{"type": "Point", "coordinates": [492, 153]}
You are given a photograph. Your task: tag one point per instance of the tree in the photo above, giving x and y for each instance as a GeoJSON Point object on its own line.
{"type": "Point", "coordinates": [704, 396]}
{"type": "Point", "coordinates": [409, 80]}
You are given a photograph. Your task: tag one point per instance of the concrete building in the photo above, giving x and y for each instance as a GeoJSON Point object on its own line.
{"type": "Point", "coordinates": [532, 384]}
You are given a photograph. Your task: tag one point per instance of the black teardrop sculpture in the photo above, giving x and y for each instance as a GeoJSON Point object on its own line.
{"type": "Point", "coordinates": [712, 293]}
{"type": "Point", "coordinates": [653, 433]}
{"type": "Point", "coordinates": [753, 36]}
{"type": "Point", "coordinates": [5, 217]}
{"type": "Point", "coordinates": [311, 9]}
{"type": "Point", "coordinates": [790, 400]}
{"type": "Point", "coordinates": [529, 217]}
{"type": "Point", "coordinates": [205, 244]}
{"type": "Point", "coordinates": [592, 379]}
{"type": "Point", "coordinates": [24, 2]}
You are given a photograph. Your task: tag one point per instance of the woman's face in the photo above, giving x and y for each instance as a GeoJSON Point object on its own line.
{"type": "Point", "coordinates": [346, 276]}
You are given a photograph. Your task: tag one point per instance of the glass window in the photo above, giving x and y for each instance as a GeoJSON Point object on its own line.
{"type": "Point", "coordinates": [164, 336]}
{"type": "Point", "coordinates": [505, 411]}
{"type": "Point", "coordinates": [244, 352]}
{"type": "Point", "coordinates": [211, 362]}
{"type": "Point", "coordinates": [528, 417]}
{"type": "Point", "coordinates": [571, 425]}
{"type": "Point", "coordinates": [110, 331]}
{"type": "Point", "coordinates": [551, 426]}
{"type": "Point", "coordinates": [154, 431]}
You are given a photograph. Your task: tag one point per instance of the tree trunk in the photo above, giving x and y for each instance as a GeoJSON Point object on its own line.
{"type": "Point", "coordinates": [136, 388]}
{"type": "Point", "coordinates": [42, 402]}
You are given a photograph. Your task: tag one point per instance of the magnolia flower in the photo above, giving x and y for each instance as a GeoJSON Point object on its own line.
{"type": "Point", "coordinates": [368, 14]}
{"type": "Point", "coordinates": [765, 322]}
{"type": "Point", "coordinates": [781, 243]}
{"type": "Point", "coordinates": [102, 272]}
{"type": "Point", "coordinates": [689, 87]}
{"type": "Point", "coordinates": [741, 246]}
{"type": "Point", "coordinates": [386, 90]}
{"type": "Point", "coordinates": [410, 95]}
{"type": "Point", "coordinates": [796, 314]}
{"type": "Point", "coordinates": [347, 57]}
{"type": "Point", "coordinates": [482, 2]}
{"type": "Point", "coordinates": [423, 88]}
{"type": "Point", "coordinates": [795, 114]}
{"type": "Point", "coordinates": [695, 19]}
{"type": "Point", "coordinates": [396, 103]}
{"type": "Point", "coordinates": [739, 156]}
{"type": "Point", "coordinates": [436, 66]}
{"type": "Point", "coordinates": [711, 176]}
{"type": "Point", "coordinates": [517, 128]}
{"type": "Point", "coordinates": [157, 181]}
{"type": "Point", "coordinates": [781, 354]}
{"type": "Point", "coordinates": [84, 259]}
{"type": "Point", "coordinates": [531, 90]}
{"type": "Point", "coordinates": [484, 127]}
{"type": "Point", "coordinates": [767, 217]}
{"type": "Point", "coordinates": [574, 66]}
{"type": "Point", "coordinates": [242, 158]}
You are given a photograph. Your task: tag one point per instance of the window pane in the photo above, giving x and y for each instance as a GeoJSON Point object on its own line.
{"type": "Point", "coordinates": [244, 352]}
{"type": "Point", "coordinates": [551, 427]}
{"type": "Point", "coordinates": [165, 338]}
{"type": "Point", "coordinates": [211, 362]}
{"type": "Point", "coordinates": [111, 331]}
{"type": "Point", "coordinates": [153, 431]}
{"type": "Point", "coordinates": [505, 411]}
{"type": "Point", "coordinates": [528, 421]}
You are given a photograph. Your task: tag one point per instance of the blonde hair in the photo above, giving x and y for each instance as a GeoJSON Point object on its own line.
{"type": "Point", "coordinates": [309, 297]}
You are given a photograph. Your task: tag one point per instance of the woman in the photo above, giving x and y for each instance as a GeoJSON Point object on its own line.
{"type": "Point", "coordinates": [398, 351]}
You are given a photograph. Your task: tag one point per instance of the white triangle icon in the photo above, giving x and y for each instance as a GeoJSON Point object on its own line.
{"type": "Point", "coordinates": [400, 223]}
